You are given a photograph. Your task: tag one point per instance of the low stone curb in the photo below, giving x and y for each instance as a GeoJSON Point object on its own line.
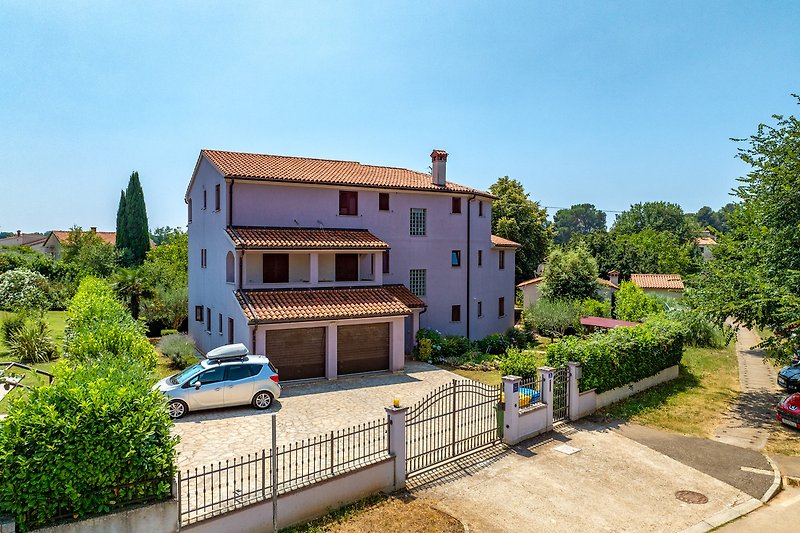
{"type": "Point", "coordinates": [776, 482]}
{"type": "Point", "coordinates": [723, 517]}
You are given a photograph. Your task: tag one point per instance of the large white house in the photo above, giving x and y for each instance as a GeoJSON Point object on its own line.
{"type": "Point", "coordinates": [330, 267]}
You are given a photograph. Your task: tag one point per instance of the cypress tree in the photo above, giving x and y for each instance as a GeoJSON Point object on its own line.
{"type": "Point", "coordinates": [121, 243]}
{"type": "Point", "coordinates": [137, 231]}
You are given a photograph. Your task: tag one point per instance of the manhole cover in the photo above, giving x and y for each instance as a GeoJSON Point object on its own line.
{"type": "Point", "coordinates": [690, 496]}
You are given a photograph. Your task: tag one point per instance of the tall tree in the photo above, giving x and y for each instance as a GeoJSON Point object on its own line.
{"type": "Point", "coordinates": [580, 219]}
{"type": "Point", "coordinates": [516, 217]}
{"type": "Point", "coordinates": [121, 243]}
{"type": "Point", "coordinates": [718, 220]}
{"type": "Point", "coordinates": [137, 232]}
{"type": "Point", "coordinates": [88, 253]}
{"type": "Point", "coordinates": [755, 274]}
{"type": "Point", "coordinates": [570, 275]}
{"type": "Point", "coordinates": [658, 216]}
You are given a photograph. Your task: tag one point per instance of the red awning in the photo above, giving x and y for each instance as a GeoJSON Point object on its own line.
{"type": "Point", "coordinates": [600, 322]}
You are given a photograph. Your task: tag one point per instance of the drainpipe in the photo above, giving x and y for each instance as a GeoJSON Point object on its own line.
{"type": "Point", "coordinates": [230, 204]}
{"type": "Point", "coordinates": [469, 255]}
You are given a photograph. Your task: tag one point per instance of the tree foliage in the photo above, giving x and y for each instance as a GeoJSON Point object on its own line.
{"type": "Point", "coordinates": [23, 290]}
{"type": "Point", "coordinates": [166, 271]}
{"type": "Point", "coordinates": [633, 304]}
{"type": "Point", "coordinates": [580, 219]}
{"type": "Point", "coordinates": [657, 216]}
{"type": "Point", "coordinates": [88, 253]}
{"type": "Point", "coordinates": [716, 220]}
{"type": "Point", "coordinates": [134, 241]}
{"type": "Point", "coordinates": [755, 276]}
{"type": "Point", "coordinates": [165, 234]}
{"type": "Point", "coordinates": [569, 275]}
{"type": "Point", "coordinates": [516, 217]}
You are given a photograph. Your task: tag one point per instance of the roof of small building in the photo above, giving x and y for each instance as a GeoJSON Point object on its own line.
{"type": "Point", "coordinates": [24, 239]}
{"type": "Point", "coordinates": [705, 241]}
{"type": "Point", "coordinates": [658, 281]}
{"type": "Point", "coordinates": [304, 238]}
{"type": "Point", "coordinates": [600, 281]}
{"type": "Point", "coordinates": [504, 243]}
{"type": "Point", "coordinates": [280, 168]}
{"type": "Point", "coordinates": [301, 305]}
{"type": "Point", "coordinates": [610, 323]}
{"type": "Point", "coordinates": [109, 237]}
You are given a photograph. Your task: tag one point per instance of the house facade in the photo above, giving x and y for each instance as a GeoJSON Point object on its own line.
{"type": "Point", "coordinates": [53, 245]}
{"type": "Point", "coordinates": [330, 267]}
{"type": "Point", "coordinates": [531, 290]}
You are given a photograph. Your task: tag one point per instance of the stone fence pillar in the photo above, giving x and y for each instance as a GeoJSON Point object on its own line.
{"type": "Point", "coordinates": [574, 392]}
{"type": "Point", "coordinates": [546, 379]}
{"type": "Point", "coordinates": [511, 409]}
{"type": "Point", "coordinates": [397, 443]}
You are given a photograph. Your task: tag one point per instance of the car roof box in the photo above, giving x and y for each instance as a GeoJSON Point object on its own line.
{"type": "Point", "coordinates": [228, 351]}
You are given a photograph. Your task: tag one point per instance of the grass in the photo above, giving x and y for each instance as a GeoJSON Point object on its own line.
{"type": "Point", "coordinates": [695, 402]}
{"type": "Point", "coordinates": [494, 377]}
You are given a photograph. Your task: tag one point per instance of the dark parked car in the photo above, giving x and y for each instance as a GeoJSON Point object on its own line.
{"type": "Point", "coordinates": [788, 410]}
{"type": "Point", "coordinates": [789, 376]}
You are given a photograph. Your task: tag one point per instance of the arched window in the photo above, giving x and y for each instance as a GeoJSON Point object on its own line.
{"type": "Point", "coordinates": [229, 271]}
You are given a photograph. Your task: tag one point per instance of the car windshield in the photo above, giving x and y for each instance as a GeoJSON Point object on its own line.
{"type": "Point", "coordinates": [186, 374]}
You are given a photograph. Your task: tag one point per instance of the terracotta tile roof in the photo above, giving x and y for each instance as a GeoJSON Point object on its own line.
{"type": "Point", "coordinates": [504, 243]}
{"type": "Point", "coordinates": [328, 172]}
{"type": "Point", "coordinates": [25, 239]}
{"type": "Point", "coordinates": [110, 237]}
{"type": "Point", "coordinates": [607, 283]}
{"type": "Point", "coordinates": [658, 281]}
{"type": "Point", "coordinates": [299, 305]}
{"type": "Point", "coordinates": [304, 239]}
{"type": "Point", "coordinates": [705, 241]}
{"type": "Point", "coordinates": [529, 282]}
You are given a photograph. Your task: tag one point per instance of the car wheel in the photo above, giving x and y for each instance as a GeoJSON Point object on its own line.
{"type": "Point", "coordinates": [262, 399]}
{"type": "Point", "coordinates": [177, 409]}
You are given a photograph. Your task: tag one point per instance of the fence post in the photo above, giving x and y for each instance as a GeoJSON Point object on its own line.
{"type": "Point", "coordinates": [546, 377]}
{"type": "Point", "coordinates": [511, 409]}
{"type": "Point", "coordinates": [397, 443]}
{"type": "Point", "coordinates": [273, 461]}
{"type": "Point", "coordinates": [574, 393]}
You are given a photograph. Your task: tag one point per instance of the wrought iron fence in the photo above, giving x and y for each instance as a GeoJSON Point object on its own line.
{"type": "Point", "coordinates": [530, 393]}
{"type": "Point", "coordinates": [216, 489]}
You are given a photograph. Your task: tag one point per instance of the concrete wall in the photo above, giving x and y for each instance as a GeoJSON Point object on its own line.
{"type": "Point", "coordinates": [530, 294]}
{"type": "Point", "coordinates": [533, 421]}
{"type": "Point", "coordinates": [159, 517]}
{"type": "Point", "coordinates": [304, 504]}
{"type": "Point", "coordinates": [614, 395]}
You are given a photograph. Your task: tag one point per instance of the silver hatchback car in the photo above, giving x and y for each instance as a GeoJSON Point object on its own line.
{"type": "Point", "coordinates": [228, 376]}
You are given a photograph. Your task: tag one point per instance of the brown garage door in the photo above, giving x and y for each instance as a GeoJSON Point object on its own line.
{"type": "Point", "coordinates": [297, 353]}
{"type": "Point", "coordinates": [363, 348]}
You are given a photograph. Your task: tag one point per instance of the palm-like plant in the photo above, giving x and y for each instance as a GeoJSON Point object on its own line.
{"type": "Point", "coordinates": [131, 286]}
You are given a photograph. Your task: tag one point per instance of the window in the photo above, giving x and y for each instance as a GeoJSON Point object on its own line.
{"type": "Point", "coordinates": [386, 262]}
{"type": "Point", "coordinates": [502, 259]}
{"type": "Point", "coordinates": [417, 281]}
{"type": "Point", "coordinates": [455, 258]}
{"type": "Point", "coordinates": [501, 307]}
{"type": "Point", "coordinates": [417, 221]}
{"type": "Point", "coordinates": [456, 206]}
{"type": "Point", "coordinates": [480, 208]}
{"type": "Point", "coordinates": [230, 330]}
{"type": "Point", "coordinates": [208, 319]}
{"type": "Point", "coordinates": [237, 372]}
{"type": "Point", "coordinates": [348, 203]}
{"type": "Point", "coordinates": [275, 268]}
{"type": "Point", "coordinates": [205, 202]}
{"type": "Point", "coordinates": [216, 197]}
{"type": "Point", "coordinates": [455, 313]}
{"type": "Point", "coordinates": [214, 375]}
{"type": "Point", "coordinates": [229, 271]}
{"type": "Point", "coordinates": [220, 323]}
{"type": "Point", "coordinates": [480, 257]}
{"type": "Point", "coordinates": [198, 313]}
{"type": "Point", "coordinates": [190, 210]}
{"type": "Point", "coordinates": [383, 201]}
{"type": "Point", "coordinates": [203, 258]}
{"type": "Point", "coordinates": [480, 309]}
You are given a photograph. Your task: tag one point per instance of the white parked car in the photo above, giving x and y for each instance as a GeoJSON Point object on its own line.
{"type": "Point", "coordinates": [228, 376]}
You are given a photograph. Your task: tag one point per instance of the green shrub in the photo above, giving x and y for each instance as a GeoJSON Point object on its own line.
{"type": "Point", "coordinates": [592, 307]}
{"type": "Point", "coordinates": [24, 290]}
{"type": "Point", "coordinates": [33, 343]}
{"type": "Point", "coordinates": [522, 363]}
{"type": "Point", "coordinates": [165, 332]}
{"type": "Point", "coordinates": [98, 323]}
{"type": "Point", "coordinates": [454, 346]}
{"type": "Point", "coordinates": [700, 331]}
{"type": "Point", "coordinates": [425, 350]}
{"type": "Point", "coordinates": [179, 349]}
{"type": "Point", "coordinates": [64, 447]}
{"type": "Point", "coordinates": [10, 325]}
{"type": "Point", "coordinates": [474, 361]}
{"type": "Point", "coordinates": [495, 344]}
{"type": "Point", "coordinates": [434, 336]}
{"type": "Point", "coordinates": [551, 318]}
{"type": "Point", "coordinates": [622, 355]}
{"type": "Point", "coordinates": [518, 338]}
{"type": "Point", "coordinates": [633, 304]}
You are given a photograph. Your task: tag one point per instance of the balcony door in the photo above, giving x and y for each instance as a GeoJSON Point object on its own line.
{"type": "Point", "coordinates": [276, 268]}
{"type": "Point", "coordinates": [346, 267]}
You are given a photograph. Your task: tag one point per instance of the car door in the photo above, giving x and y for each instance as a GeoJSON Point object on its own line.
{"type": "Point", "coordinates": [209, 394]}
{"type": "Point", "coordinates": [238, 386]}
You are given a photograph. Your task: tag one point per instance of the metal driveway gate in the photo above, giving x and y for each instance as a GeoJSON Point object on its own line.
{"type": "Point", "coordinates": [561, 394]}
{"type": "Point", "coordinates": [454, 419]}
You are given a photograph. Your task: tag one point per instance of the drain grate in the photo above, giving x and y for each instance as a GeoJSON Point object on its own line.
{"type": "Point", "coordinates": [690, 496]}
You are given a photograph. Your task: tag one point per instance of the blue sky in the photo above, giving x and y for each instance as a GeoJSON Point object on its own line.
{"type": "Point", "coordinates": [603, 102]}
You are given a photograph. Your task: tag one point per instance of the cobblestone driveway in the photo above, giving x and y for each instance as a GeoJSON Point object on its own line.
{"type": "Point", "coordinates": [304, 410]}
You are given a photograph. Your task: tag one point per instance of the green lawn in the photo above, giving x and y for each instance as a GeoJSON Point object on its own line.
{"type": "Point", "coordinates": [692, 404]}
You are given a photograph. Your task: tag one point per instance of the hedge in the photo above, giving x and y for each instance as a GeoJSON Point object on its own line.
{"type": "Point", "coordinates": [71, 447]}
{"type": "Point", "coordinates": [98, 324]}
{"type": "Point", "coordinates": [622, 355]}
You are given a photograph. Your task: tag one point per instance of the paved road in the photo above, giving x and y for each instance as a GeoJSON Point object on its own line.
{"type": "Point", "coordinates": [750, 419]}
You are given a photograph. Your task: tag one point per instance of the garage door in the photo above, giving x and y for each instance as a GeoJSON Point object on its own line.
{"type": "Point", "coordinates": [363, 348]}
{"type": "Point", "coordinates": [297, 353]}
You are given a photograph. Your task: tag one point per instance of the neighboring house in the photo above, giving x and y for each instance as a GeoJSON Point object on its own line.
{"type": "Point", "coordinates": [666, 284]}
{"type": "Point", "coordinates": [706, 243]}
{"type": "Point", "coordinates": [53, 245]}
{"type": "Point", "coordinates": [330, 267]}
{"type": "Point", "coordinates": [531, 290]}
{"type": "Point", "coordinates": [34, 241]}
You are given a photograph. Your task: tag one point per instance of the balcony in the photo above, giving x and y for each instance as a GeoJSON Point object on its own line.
{"type": "Point", "coordinates": [266, 270]}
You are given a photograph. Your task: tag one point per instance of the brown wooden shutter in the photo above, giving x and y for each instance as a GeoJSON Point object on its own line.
{"type": "Point", "coordinates": [276, 268]}
{"type": "Point", "coordinates": [346, 267]}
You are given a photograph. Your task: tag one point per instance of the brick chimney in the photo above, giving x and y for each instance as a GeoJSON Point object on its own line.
{"type": "Point", "coordinates": [19, 232]}
{"type": "Point", "coordinates": [93, 229]}
{"type": "Point", "coordinates": [613, 276]}
{"type": "Point", "coordinates": [439, 167]}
